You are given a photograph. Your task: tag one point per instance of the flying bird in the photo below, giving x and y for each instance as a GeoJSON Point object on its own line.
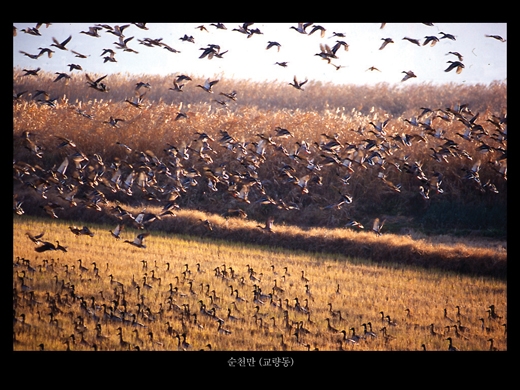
{"type": "Point", "coordinates": [208, 85]}
{"type": "Point", "coordinates": [386, 42]}
{"type": "Point", "coordinates": [298, 85]}
{"type": "Point", "coordinates": [408, 75]}
{"type": "Point", "coordinates": [138, 240]}
{"type": "Point", "coordinates": [413, 40]}
{"type": "Point", "coordinates": [61, 45]}
{"type": "Point", "coordinates": [497, 37]}
{"type": "Point", "coordinates": [377, 226]}
{"type": "Point", "coordinates": [455, 64]}
{"type": "Point", "coordinates": [273, 43]}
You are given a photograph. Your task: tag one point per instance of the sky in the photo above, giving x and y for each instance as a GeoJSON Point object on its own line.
{"type": "Point", "coordinates": [247, 58]}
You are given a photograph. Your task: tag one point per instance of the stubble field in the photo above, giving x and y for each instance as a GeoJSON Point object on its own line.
{"type": "Point", "coordinates": [437, 250]}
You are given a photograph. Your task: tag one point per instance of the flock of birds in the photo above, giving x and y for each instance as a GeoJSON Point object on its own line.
{"type": "Point", "coordinates": [241, 172]}
{"type": "Point", "coordinates": [178, 303]}
{"type": "Point", "coordinates": [233, 166]}
{"type": "Point", "coordinates": [327, 52]}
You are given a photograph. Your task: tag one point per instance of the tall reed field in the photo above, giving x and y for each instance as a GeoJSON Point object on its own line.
{"type": "Point", "coordinates": [258, 217]}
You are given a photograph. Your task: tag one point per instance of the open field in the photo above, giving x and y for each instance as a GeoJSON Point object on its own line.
{"type": "Point", "coordinates": [429, 163]}
{"type": "Point", "coordinates": [60, 297]}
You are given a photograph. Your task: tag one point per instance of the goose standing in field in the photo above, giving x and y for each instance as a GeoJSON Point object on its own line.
{"type": "Point", "coordinates": [222, 330]}
{"type": "Point", "coordinates": [450, 346]}
{"type": "Point", "coordinates": [368, 332]}
{"type": "Point", "coordinates": [123, 343]}
{"type": "Point", "coordinates": [138, 240]}
{"type": "Point", "coordinates": [330, 327]}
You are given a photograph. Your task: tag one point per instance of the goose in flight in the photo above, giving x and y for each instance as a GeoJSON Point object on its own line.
{"type": "Point", "coordinates": [81, 231]}
{"type": "Point", "coordinates": [137, 102]}
{"type": "Point", "coordinates": [33, 56]}
{"type": "Point", "coordinates": [78, 55]}
{"type": "Point", "coordinates": [297, 84]}
{"type": "Point", "coordinates": [45, 246]}
{"type": "Point", "coordinates": [431, 39]}
{"type": "Point", "coordinates": [244, 28]}
{"type": "Point", "coordinates": [116, 233]}
{"type": "Point", "coordinates": [408, 75]}
{"type": "Point", "coordinates": [92, 31]}
{"type": "Point", "coordinates": [457, 54]}
{"type": "Point", "coordinates": [448, 36]}
{"type": "Point", "coordinates": [273, 43]}
{"type": "Point", "coordinates": [386, 42]}
{"type": "Point", "coordinates": [319, 28]}
{"type": "Point", "coordinates": [97, 84]}
{"type": "Point", "coordinates": [497, 37]}
{"type": "Point", "coordinates": [138, 240]}
{"type": "Point", "coordinates": [113, 121]}
{"type": "Point", "coordinates": [208, 85]}
{"type": "Point", "coordinates": [355, 223]}
{"type": "Point", "coordinates": [455, 65]}
{"type": "Point", "coordinates": [268, 225]}
{"type": "Point", "coordinates": [35, 239]}
{"type": "Point", "coordinates": [301, 27]}
{"type": "Point", "coordinates": [61, 45]}
{"type": "Point", "coordinates": [413, 40]}
{"type": "Point", "coordinates": [31, 72]}
{"type": "Point", "coordinates": [377, 226]}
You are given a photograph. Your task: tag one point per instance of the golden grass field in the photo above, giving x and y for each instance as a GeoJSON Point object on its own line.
{"type": "Point", "coordinates": [201, 269]}
{"type": "Point", "coordinates": [434, 253]}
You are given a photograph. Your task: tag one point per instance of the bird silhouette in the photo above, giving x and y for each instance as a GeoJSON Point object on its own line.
{"type": "Point", "coordinates": [455, 65]}
{"type": "Point", "coordinates": [298, 85]}
{"type": "Point", "coordinates": [138, 240]}
{"type": "Point", "coordinates": [61, 45]}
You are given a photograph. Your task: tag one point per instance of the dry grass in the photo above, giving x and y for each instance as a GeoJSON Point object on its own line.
{"type": "Point", "coordinates": [365, 289]}
{"type": "Point", "coordinates": [259, 110]}
{"type": "Point", "coordinates": [405, 268]}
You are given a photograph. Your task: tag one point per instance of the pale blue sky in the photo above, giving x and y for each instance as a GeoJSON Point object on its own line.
{"type": "Point", "coordinates": [247, 58]}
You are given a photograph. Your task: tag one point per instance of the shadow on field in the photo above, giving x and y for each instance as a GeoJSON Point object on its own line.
{"type": "Point", "coordinates": [390, 249]}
